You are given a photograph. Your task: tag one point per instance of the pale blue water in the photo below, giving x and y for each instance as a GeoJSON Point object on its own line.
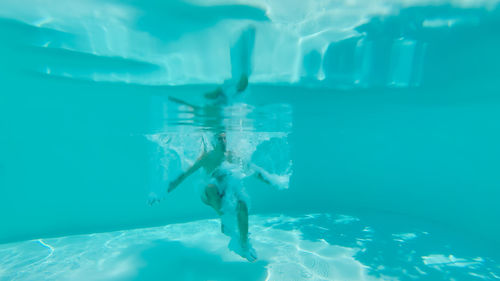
{"type": "Point", "coordinates": [379, 122]}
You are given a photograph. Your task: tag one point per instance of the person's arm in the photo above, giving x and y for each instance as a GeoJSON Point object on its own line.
{"type": "Point", "coordinates": [214, 94]}
{"type": "Point", "coordinates": [181, 102]}
{"type": "Point", "coordinates": [198, 164]}
{"type": "Point", "coordinates": [260, 174]}
{"type": "Point", "coordinates": [279, 181]}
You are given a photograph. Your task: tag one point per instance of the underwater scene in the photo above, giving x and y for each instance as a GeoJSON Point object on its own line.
{"type": "Point", "coordinates": [272, 140]}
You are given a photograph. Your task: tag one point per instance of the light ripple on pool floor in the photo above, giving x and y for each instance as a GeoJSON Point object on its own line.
{"type": "Point", "coordinates": [311, 247]}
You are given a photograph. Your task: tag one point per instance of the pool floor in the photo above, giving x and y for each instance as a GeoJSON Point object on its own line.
{"type": "Point", "coordinates": [305, 247]}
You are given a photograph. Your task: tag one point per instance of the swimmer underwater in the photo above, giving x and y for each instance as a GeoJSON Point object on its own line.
{"type": "Point", "coordinates": [225, 192]}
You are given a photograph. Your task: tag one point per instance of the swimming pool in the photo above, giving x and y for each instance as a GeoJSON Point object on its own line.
{"type": "Point", "coordinates": [377, 121]}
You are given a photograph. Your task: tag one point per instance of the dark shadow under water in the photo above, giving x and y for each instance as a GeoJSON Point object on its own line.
{"type": "Point", "coordinates": [174, 261]}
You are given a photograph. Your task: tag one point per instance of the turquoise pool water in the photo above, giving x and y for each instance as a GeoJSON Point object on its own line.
{"type": "Point", "coordinates": [376, 123]}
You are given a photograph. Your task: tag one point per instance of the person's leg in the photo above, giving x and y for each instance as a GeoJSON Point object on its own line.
{"type": "Point", "coordinates": [212, 198]}
{"type": "Point", "coordinates": [242, 215]}
{"type": "Point", "coordinates": [242, 83]}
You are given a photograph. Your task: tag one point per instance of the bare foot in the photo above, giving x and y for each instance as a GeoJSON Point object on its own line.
{"type": "Point", "coordinates": [245, 250]}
